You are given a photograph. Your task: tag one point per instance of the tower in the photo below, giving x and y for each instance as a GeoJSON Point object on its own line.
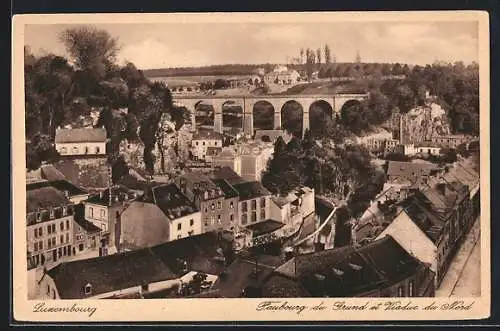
{"type": "Point", "coordinates": [358, 57]}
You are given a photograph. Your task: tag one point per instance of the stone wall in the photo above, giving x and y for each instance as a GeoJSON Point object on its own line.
{"type": "Point", "coordinates": [422, 123]}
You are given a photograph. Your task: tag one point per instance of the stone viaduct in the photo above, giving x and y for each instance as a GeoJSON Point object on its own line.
{"type": "Point", "coordinates": [247, 103]}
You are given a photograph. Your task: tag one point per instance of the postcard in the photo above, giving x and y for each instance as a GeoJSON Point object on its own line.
{"type": "Point", "coordinates": [326, 166]}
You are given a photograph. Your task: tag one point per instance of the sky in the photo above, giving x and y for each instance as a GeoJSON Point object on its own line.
{"type": "Point", "coordinates": [162, 45]}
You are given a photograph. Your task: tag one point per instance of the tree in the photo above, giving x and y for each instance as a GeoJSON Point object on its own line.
{"type": "Point", "coordinates": [318, 56]}
{"type": "Point", "coordinates": [221, 84]}
{"type": "Point", "coordinates": [119, 168]}
{"type": "Point", "coordinates": [93, 50]}
{"type": "Point", "coordinates": [302, 56]}
{"type": "Point", "coordinates": [40, 149]}
{"type": "Point", "coordinates": [328, 56]}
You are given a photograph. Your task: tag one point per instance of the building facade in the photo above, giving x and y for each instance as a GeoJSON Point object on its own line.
{"type": "Point", "coordinates": [202, 140]}
{"type": "Point", "coordinates": [83, 141]}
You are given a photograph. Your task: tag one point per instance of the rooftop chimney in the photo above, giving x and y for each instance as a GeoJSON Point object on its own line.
{"type": "Point", "coordinates": [441, 187]}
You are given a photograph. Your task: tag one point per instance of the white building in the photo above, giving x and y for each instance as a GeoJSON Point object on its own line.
{"type": "Point", "coordinates": [83, 141]}
{"type": "Point", "coordinates": [202, 140]}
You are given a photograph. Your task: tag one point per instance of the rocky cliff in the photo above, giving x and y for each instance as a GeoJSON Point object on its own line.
{"type": "Point", "coordinates": [422, 123]}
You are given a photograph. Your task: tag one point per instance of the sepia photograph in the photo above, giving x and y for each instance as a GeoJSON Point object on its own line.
{"type": "Point", "coordinates": [172, 160]}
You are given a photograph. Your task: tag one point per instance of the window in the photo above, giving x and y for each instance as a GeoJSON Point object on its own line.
{"type": "Point", "coordinates": [61, 225]}
{"type": "Point", "coordinates": [244, 219]}
{"type": "Point", "coordinates": [54, 241]}
{"type": "Point", "coordinates": [86, 150]}
{"type": "Point", "coordinates": [262, 214]}
{"type": "Point", "coordinates": [91, 212]}
{"type": "Point", "coordinates": [49, 229]}
{"type": "Point", "coordinates": [53, 228]}
{"type": "Point", "coordinates": [212, 219]}
{"type": "Point", "coordinates": [61, 238]}
{"type": "Point", "coordinates": [401, 291]}
{"type": "Point", "coordinates": [231, 205]}
{"type": "Point", "coordinates": [51, 212]}
{"type": "Point", "coordinates": [48, 289]}
{"type": "Point", "coordinates": [254, 204]}
{"type": "Point", "coordinates": [179, 236]}
{"type": "Point", "coordinates": [206, 221]}
{"type": "Point", "coordinates": [203, 143]}
{"type": "Point", "coordinates": [40, 245]}
{"type": "Point", "coordinates": [219, 205]}
{"type": "Point", "coordinates": [411, 288]}
{"type": "Point", "coordinates": [213, 206]}
{"type": "Point", "coordinates": [88, 289]}
{"type": "Point", "coordinates": [75, 150]}
{"type": "Point", "coordinates": [196, 143]}
{"type": "Point", "coordinates": [103, 213]}
{"type": "Point", "coordinates": [231, 217]}
{"type": "Point", "coordinates": [80, 247]}
{"type": "Point", "coordinates": [97, 150]}
{"type": "Point", "coordinates": [244, 206]}
{"type": "Point", "coordinates": [191, 222]}
{"type": "Point", "coordinates": [40, 231]}
{"type": "Point", "coordinates": [262, 202]}
{"type": "Point", "coordinates": [36, 233]}
{"type": "Point", "coordinates": [64, 211]}
{"type": "Point", "coordinates": [49, 243]}
{"type": "Point", "coordinates": [67, 224]}
{"type": "Point", "coordinates": [179, 226]}
{"type": "Point", "coordinates": [254, 217]}
{"type": "Point", "coordinates": [218, 219]}
{"type": "Point", "coordinates": [64, 150]}
{"type": "Point", "coordinates": [35, 247]}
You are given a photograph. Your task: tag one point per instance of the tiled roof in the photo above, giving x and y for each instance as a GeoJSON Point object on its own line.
{"type": "Point", "coordinates": [251, 190]}
{"type": "Point", "coordinates": [95, 176]}
{"type": "Point", "coordinates": [61, 185]}
{"type": "Point", "coordinates": [118, 194]}
{"type": "Point", "coordinates": [80, 135]}
{"type": "Point", "coordinates": [229, 175]}
{"type": "Point", "coordinates": [109, 273]}
{"type": "Point", "coordinates": [397, 168]}
{"type": "Point", "coordinates": [44, 198]}
{"type": "Point", "coordinates": [79, 218]}
{"type": "Point", "coordinates": [265, 227]}
{"type": "Point", "coordinates": [344, 272]}
{"type": "Point", "coordinates": [229, 191]}
{"type": "Point", "coordinates": [420, 213]}
{"type": "Point", "coordinates": [207, 135]}
{"type": "Point", "coordinates": [172, 202]}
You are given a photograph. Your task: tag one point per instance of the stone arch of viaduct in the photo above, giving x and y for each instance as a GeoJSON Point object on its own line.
{"type": "Point", "coordinates": [247, 103]}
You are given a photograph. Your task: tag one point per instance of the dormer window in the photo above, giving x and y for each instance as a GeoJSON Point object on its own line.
{"type": "Point", "coordinates": [88, 289]}
{"type": "Point", "coordinates": [51, 212]}
{"type": "Point", "coordinates": [64, 210]}
{"type": "Point", "coordinates": [38, 217]}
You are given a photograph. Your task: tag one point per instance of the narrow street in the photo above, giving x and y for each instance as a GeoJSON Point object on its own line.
{"type": "Point", "coordinates": [463, 276]}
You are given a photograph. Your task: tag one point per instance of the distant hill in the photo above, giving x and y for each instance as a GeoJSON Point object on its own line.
{"type": "Point", "coordinates": [214, 70]}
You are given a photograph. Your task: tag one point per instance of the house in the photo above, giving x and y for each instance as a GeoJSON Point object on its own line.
{"type": "Point", "coordinates": [230, 204]}
{"type": "Point", "coordinates": [49, 225]}
{"type": "Point", "coordinates": [380, 269]}
{"type": "Point", "coordinates": [428, 148]}
{"type": "Point", "coordinates": [450, 141]}
{"type": "Point", "coordinates": [228, 157]}
{"type": "Point", "coordinates": [254, 159]}
{"type": "Point", "coordinates": [253, 205]}
{"type": "Point", "coordinates": [293, 208]}
{"type": "Point", "coordinates": [282, 75]}
{"type": "Point", "coordinates": [82, 141]}
{"type": "Point", "coordinates": [204, 139]}
{"type": "Point", "coordinates": [103, 209]}
{"type": "Point", "coordinates": [139, 273]}
{"type": "Point", "coordinates": [207, 197]}
{"type": "Point", "coordinates": [409, 170]}
{"type": "Point", "coordinates": [212, 154]}
{"type": "Point", "coordinates": [163, 214]}
{"type": "Point", "coordinates": [429, 224]}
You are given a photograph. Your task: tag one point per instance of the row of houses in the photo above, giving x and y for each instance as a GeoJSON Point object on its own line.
{"type": "Point", "coordinates": [427, 210]}
{"type": "Point", "coordinates": [434, 146]}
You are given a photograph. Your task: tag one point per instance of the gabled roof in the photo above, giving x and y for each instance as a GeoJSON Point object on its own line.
{"type": "Point", "coordinates": [45, 198]}
{"type": "Point", "coordinates": [80, 135]}
{"type": "Point", "coordinates": [229, 191]}
{"type": "Point", "coordinates": [207, 135]}
{"type": "Point", "coordinates": [251, 190]}
{"type": "Point", "coordinates": [49, 172]}
{"type": "Point", "coordinates": [109, 273]}
{"type": "Point", "coordinates": [345, 271]}
{"type": "Point", "coordinates": [397, 168]}
{"type": "Point", "coordinates": [172, 202]}
{"type": "Point", "coordinates": [228, 175]}
{"type": "Point", "coordinates": [61, 185]}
